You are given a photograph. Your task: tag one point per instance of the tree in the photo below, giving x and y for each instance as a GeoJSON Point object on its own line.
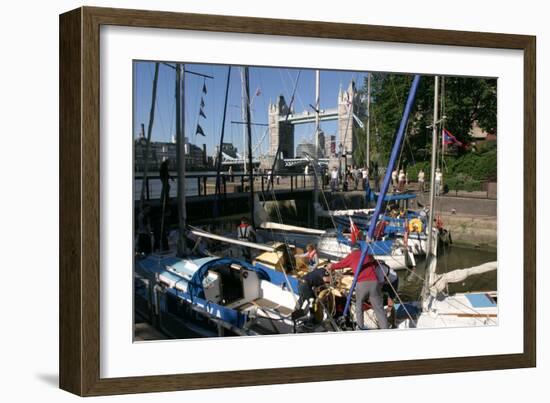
{"type": "Point", "coordinates": [466, 101]}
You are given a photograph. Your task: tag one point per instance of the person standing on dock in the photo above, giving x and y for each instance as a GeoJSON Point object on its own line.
{"type": "Point", "coordinates": [365, 176]}
{"type": "Point", "coordinates": [438, 181]}
{"type": "Point", "coordinates": [401, 179]}
{"type": "Point", "coordinates": [367, 286]}
{"type": "Point", "coordinates": [376, 177]}
{"type": "Point", "coordinates": [165, 179]}
{"type": "Point", "coordinates": [334, 179]}
{"type": "Point", "coordinates": [421, 177]}
{"type": "Point", "coordinates": [355, 174]}
{"type": "Point", "coordinates": [394, 180]}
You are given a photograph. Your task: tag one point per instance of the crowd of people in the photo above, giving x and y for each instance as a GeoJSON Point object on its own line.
{"type": "Point", "coordinates": [353, 178]}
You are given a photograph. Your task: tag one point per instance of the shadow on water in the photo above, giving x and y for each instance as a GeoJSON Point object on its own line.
{"type": "Point", "coordinates": [451, 258]}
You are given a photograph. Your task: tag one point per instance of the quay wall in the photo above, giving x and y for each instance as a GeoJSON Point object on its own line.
{"type": "Point", "coordinates": [472, 230]}
{"type": "Point", "coordinates": [471, 220]}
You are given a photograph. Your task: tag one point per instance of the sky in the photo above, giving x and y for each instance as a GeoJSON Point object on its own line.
{"type": "Point", "coordinates": [266, 84]}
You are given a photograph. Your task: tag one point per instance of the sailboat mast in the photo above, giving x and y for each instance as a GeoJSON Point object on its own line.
{"type": "Point", "coordinates": [180, 155]}
{"type": "Point", "coordinates": [429, 274]}
{"type": "Point", "coordinates": [243, 115]}
{"type": "Point", "coordinates": [220, 152]}
{"type": "Point", "coordinates": [249, 138]}
{"type": "Point", "coordinates": [317, 106]}
{"type": "Point", "coordinates": [317, 133]}
{"type": "Point", "coordinates": [367, 162]}
{"type": "Point", "coordinates": [399, 137]}
{"type": "Point", "coordinates": [146, 152]}
{"type": "Point", "coordinates": [442, 117]}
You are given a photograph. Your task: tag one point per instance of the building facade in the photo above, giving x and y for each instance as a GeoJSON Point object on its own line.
{"type": "Point", "coordinates": [195, 157]}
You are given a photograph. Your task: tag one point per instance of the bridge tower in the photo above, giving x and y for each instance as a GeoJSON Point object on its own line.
{"type": "Point", "coordinates": [348, 105]}
{"type": "Point", "coordinates": [280, 132]}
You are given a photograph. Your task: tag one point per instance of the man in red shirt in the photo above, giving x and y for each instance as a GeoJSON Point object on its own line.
{"type": "Point", "coordinates": [367, 286]}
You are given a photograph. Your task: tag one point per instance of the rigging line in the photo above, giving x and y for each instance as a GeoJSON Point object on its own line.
{"type": "Point", "coordinates": [297, 93]}
{"type": "Point", "coordinates": [414, 273]}
{"type": "Point", "coordinates": [213, 108]}
{"type": "Point", "coordinates": [262, 89]}
{"type": "Point", "coordinates": [320, 187]}
{"type": "Point", "coordinates": [172, 108]}
{"type": "Point", "coordinates": [279, 217]}
{"type": "Point", "coordinates": [135, 91]}
{"type": "Point", "coordinates": [285, 241]}
{"type": "Point", "coordinates": [161, 113]}
{"type": "Point", "coordinates": [193, 137]}
{"type": "Point", "coordinates": [283, 83]}
{"type": "Point", "coordinates": [253, 127]}
{"type": "Point", "coordinates": [259, 143]}
{"type": "Point", "coordinates": [397, 98]}
{"type": "Point", "coordinates": [402, 146]}
{"type": "Point", "coordinates": [345, 137]}
{"type": "Point", "coordinates": [274, 165]}
{"type": "Point", "coordinates": [397, 295]}
{"type": "Point", "coordinates": [408, 143]}
{"type": "Point", "coordinates": [316, 178]}
{"type": "Point", "coordinates": [157, 110]}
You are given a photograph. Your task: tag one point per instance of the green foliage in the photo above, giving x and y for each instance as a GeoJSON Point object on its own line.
{"type": "Point", "coordinates": [462, 181]}
{"type": "Point", "coordinates": [466, 101]}
{"type": "Point", "coordinates": [466, 172]}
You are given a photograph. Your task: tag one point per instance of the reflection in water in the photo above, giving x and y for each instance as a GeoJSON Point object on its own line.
{"type": "Point", "coordinates": [451, 258]}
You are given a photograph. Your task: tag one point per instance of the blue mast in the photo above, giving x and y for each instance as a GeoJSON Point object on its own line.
{"type": "Point", "coordinates": [385, 184]}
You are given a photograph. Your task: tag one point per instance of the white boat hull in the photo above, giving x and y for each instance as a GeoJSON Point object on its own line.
{"type": "Point", "coordinates": [458, 310]}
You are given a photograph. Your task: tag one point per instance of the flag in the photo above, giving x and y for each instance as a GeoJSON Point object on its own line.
{"type": "Point", "coordinates": [202, 103]}
{"type": "Point", "coordinates": [199, 130]}
{"type": "Point", "coordinates": [354, 231]}
{"type": "Point", "coordinates": [204, 88]}
{"type": "Point", "coordinates": [201, 113]}
{"type": "Point", "coordinates": [449, 138]}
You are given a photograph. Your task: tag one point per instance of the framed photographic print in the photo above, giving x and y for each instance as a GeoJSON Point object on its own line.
{"type": "Point", "coordinates": [249, 201]}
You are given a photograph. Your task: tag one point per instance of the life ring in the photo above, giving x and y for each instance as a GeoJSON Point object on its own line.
{"type": "Point", "coordinates": [415, 225]}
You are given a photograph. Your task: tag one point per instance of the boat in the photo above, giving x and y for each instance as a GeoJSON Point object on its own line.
{"type": "Point", "coordinates": [188, 292]}
{"type": "Point", "coordinates": [212, 296]}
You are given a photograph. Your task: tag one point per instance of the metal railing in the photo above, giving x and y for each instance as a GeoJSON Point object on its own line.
{"type": "Point", "coordinates": [205, 184]}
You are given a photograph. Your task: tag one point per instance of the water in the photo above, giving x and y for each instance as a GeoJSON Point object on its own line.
{"type": "Point", "coordinates": [191, 184]}
{"type": "Point", "coordinates": [451, 258]}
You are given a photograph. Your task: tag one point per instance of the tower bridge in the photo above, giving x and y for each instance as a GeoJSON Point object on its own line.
{"type": "Point", "coordinates": [282, 122]}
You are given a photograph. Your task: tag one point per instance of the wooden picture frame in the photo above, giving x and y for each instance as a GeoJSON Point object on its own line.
{"type": "Point", "coordinates": [80, 184]}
